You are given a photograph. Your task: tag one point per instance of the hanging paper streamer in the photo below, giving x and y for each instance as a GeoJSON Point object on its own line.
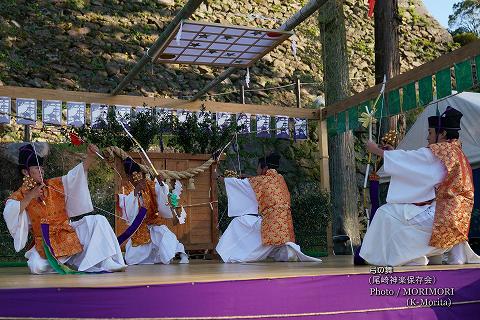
{"type": "Point", "coordinates": [179, 34]}
{"type": "Point", "coordinates": [182, 115]}
{"type": "Point", "coordinates": [98, 115]}
{"type": "Point", "coordinates": [224, 119]}
{"type": "Point", "coordinates": [142, 109]}
{"type": "Point", "coordinates": [201, 116]}
{"type": "Point", "coordinates": [182, 217]}
{"type": "Point", "coordinates": [163, 113]}
{"type": "Point", "coordinates": [52, 112]}
{"type": "Point", "coordinates": [76, 114]}
{"type": "Point", "coordinates": [263, 126]}
{"type": "Point", "coordinates": [243, 121]}
{"type": "Point", "coordinates": [294, 45]}
{"type": "Point", "coordinates": [247, 78]}
{"type": "Point", "coordinates": [5, 109]}
{"type": "Point", "coordinates": [281, 124]}
{"type": "Point", "coordinates": [123, 114]}
{"type": "Point", "coordinates": [301, 128]}
{"type": "Point", "coordinates": [26, 108]}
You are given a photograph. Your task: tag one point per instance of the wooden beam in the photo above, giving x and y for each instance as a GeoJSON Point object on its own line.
{"type": "Point", "coordinates": [325, 174]}
{"type": "Point", "coordinates": [445, 61]}
{"type": "Point", "coordinates": [151, 54]}
{"type": "Point", "coordinates": [103, 98]}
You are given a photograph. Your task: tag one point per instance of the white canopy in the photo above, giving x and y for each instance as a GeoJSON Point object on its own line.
{"type": "Point", "coordinates": [466, 102]}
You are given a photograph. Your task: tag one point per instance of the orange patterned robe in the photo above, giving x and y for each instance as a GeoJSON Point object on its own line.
{"type": "Point", "coordinates": [142, 235]}
{"type": "Point", "coordinates": [454, 196]}
{"type": "Point", "coordinates": [63, 238]}
{"type": "Point", "coordinates": [274, 205]}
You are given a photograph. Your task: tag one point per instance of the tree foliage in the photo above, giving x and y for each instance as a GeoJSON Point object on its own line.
{"type": "Point", "coordinates": [194, 135]}
{"type": "Point", "coordinates": [465, 17]}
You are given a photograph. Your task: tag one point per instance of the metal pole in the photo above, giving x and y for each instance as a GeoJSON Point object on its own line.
{"type": "Point", "coordinates": [290, 24]}
{"type": "Point", "coordinates": [242, 88]}
{"type": "Point", "coordinates": [297, 88]}
{"type": "Point", "coordinates": [152, 53]}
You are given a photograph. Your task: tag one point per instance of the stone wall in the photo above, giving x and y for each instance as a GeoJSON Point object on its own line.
{"type": "Point", "coordinates": [90, 45]}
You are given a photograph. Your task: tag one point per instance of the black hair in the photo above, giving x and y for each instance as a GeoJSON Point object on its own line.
{"type": "Point", "coordinates": [130, 166]}
{"type": "Point", "coordinates": [272, 161]}
{"type": "Point", "coordinates": [450, 134]}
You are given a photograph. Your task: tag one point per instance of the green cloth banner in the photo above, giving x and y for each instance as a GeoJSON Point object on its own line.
{"type": "Point", "coordinates": [332, 125]}
{"type": "Point", "coordinates": [353, 118]}
{"type": "Point", "coordinates": [477, 63]}
{"type": "Point", "coordinates": [443, 83]}
{"type": "Point", "coordinates": [463, 76]}
{"type": "Point", "coordinates": [409, 97]}
{"type": "Point", "coordinates": [425, 91]}
{"type": "Point", "coordinates": [394, 102]}
{"type": "Point", "coordinates": [341, 122]}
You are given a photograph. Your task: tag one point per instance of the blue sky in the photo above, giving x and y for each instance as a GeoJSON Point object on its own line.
{"type": "Point", "coordinates": [440, 9]}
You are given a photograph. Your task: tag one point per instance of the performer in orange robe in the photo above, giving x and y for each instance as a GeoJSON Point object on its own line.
{"type": "Point", "coordinates": [274, 203]}
{"type": "Point", "coordinates": [429, 202]}
{"type": "Point", "coordinates": [88, 244]}
{"type": "Point", "coordinates": [152, 242]}
{"type": "Point", "coordinates": [263, 225]}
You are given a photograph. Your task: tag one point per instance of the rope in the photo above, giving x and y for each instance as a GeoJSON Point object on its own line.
{"type": "Point", "coordinates": [111, 152]}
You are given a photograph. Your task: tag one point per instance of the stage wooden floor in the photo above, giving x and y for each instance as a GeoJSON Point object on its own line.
{"type": "Point", "coordinates": [196, 271]}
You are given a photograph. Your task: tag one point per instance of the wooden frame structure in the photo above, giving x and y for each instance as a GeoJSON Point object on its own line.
{"type": "Point", "coordinates": [107, 99]}
{"type": "Point", "coordinates": [228, 46]}
{"type": "Point", "coordinates": [89, 98]}
{"type": "Point", "coordinates": [446, 61]}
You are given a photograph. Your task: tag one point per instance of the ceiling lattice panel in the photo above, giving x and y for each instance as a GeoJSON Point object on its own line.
{"type": "Point", "coordinates": [219, 45]}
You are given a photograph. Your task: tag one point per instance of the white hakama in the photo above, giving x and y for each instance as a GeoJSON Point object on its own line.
{"type": "Point", "coordinates": [400, 231]}
{"type": "Point", "coordinates": [242, 240]}
{"type": "Point", "coordinates": [101, 251]}
{"type": "Point", "coordinates": [163, 245]}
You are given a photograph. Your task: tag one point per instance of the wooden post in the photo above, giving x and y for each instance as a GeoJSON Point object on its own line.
{"type": "Point", "coordinates": [325, 173]}
{"type": "Point", "coordinates": [242, 89]}
{"type": "Point", "coordinates": [344, 192]}
{"type": "Point", "coordinates": [297, 91]}
{"type": "Point", "coordinates": [27, 134]}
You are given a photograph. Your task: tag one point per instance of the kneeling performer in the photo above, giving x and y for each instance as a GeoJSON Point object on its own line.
{"type": "Point", "coordinates": [429, 202]}
{"type": "Point", "coordinates": [254, 235]}
{"type": "Point", "coordinates": [152, 242]}
{"type": "Point", "coordinates": [88, 244]}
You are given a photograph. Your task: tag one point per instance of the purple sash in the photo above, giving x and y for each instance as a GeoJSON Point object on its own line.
{"type": "Point", "coordinates": [142, 212]}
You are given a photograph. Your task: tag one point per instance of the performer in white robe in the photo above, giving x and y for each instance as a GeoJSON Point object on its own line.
{"type": "Point", "coordinates": [153, 242]}
{"type": "Point", "coordinates": [401, 230]}
{"type": "Point", "coordinates": [91, 238]}
{"type": "Point", "coordinates": [243, 241]}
